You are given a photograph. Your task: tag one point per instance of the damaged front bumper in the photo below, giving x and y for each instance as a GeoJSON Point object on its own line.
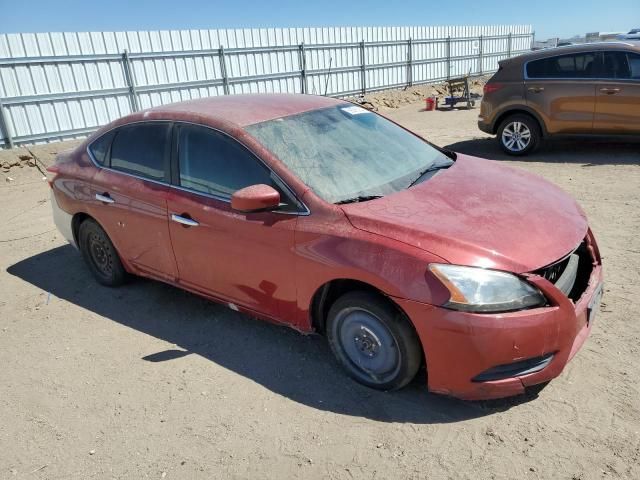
{"type": "Point", "coordinates": [483, 356]}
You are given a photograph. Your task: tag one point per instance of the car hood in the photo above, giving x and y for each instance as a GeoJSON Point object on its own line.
{"type": "Point", "coordinates": [481, 213]}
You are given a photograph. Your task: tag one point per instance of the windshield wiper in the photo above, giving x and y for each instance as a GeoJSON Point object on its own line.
{"type": "Point", "coordinates": [432, 168]}
{"type": "Point", "coordinates": [359, 198]}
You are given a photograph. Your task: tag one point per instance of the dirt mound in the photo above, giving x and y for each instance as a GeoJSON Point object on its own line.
{"type": "Point", "coordinates": [390, 99]}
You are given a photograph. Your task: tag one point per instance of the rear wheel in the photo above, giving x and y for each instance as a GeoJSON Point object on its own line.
{"type": "Point", "coordinates": [100, 255]}
{"type": "Point", "coordinates": [519, 134]}
{"type": "Point", "coordinates": [373, 341]}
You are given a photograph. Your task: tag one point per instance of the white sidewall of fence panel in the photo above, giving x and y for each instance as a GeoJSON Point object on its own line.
{"type": "Point", "coordinates": [55, 86]}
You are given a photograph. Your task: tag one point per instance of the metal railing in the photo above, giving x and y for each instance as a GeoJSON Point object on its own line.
{"type": "Point", "coordinates": [360, 76]}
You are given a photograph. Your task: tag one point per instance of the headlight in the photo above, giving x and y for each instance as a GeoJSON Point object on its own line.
{"type": "Point", "coordinates": [479, 290]}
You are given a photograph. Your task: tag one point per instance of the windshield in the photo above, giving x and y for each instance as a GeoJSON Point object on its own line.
{"type": "Point", "coordinates": [345, 152]}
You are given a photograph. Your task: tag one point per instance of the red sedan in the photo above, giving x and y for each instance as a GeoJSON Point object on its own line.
{"type": "Point", "coordinates": [316, 213]}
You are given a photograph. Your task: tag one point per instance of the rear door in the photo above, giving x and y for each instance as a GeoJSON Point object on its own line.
{"type": "Point", "coordinates": [129, 195]}
{"type": "Point", "coordinates": [246, 259]}
{"type": "Point", "coordinates": [561, 90]}
{"type": "Point", "coordinates": [618, 94]}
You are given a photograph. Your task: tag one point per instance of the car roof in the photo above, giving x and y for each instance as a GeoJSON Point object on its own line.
{"type": "Point", "coordinates": [243, 110]}
{"type": "Point", "coordinates": [578, 48]}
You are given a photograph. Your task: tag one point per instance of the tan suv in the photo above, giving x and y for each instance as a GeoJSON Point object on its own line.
{"type": "Point", "coordinates": [582, 89]}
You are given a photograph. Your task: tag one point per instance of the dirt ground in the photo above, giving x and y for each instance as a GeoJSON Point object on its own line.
{"type": "Point", "coordinates": [400, 97]}
{"type": "Point", "coordinates": [147, 381]}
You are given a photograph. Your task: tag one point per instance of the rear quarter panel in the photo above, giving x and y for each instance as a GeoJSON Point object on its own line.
{"type": "Point", "coordinates": [510, 96]}
{"type": "Point", "coordinates": [71, 185]}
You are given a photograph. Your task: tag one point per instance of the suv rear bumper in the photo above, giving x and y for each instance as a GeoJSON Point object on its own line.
{"type": "Point", "coordinates": [485, 126]}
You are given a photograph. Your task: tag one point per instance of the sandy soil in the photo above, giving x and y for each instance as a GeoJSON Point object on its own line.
{"type": "Point", "coordinates": [396, 98]}
{"type": "Point", "coordinates": [147, 381]}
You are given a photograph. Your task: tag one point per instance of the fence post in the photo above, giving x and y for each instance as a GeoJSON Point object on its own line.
{"type": "Point", "coordinates": [363, 72]}
{"type": "Point", "coordinates": [133, 95]}
{"type": "Point", "coordinates": [533, 40]}
{"type": "Point", "coordinates": [302, 62]}
{"type": "Point", "coordinates": [4, 127]}
{"type": "Point", "coordinates": [409, 62]}
{"type": "Point", "coordinates": [480, 65]}
{"type": "Point", "coordinates": [509, 42]}
{"type": "Point", "coordinates": [448, 57]}
{"type": "Point", "coordinates": [223, 70]}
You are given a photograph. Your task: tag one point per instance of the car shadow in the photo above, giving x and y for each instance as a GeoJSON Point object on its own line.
{"type": "Point", "coordinates": [588, 151]}
{"type": "Point", "coordinates": [299, 367]}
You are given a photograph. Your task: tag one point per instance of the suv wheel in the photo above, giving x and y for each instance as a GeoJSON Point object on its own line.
{"type": "Point", "coordinates": [519, 134]}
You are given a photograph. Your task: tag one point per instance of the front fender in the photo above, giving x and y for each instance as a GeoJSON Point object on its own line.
{"type": "Point", "coordinates": [332, 249]}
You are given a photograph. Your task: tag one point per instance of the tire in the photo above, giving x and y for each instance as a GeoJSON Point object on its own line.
{"type": "Point", "coordinates": [373, 341]}
{"type": "Point", "coordinates": [100, 255]}
{"type": "Point", "coordinates": [519, 134]}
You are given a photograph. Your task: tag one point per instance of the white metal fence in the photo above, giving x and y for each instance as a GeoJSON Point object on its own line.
{"type": "Point", "coordinates": [56, 86]}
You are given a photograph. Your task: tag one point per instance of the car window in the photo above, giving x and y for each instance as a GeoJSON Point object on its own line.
{"type": "Point", "coordinates": [99, 148]}
{"type": "Point", "coordinates": [615, 65]}
{"type": "Point", "coordinates": [214, 163]}
{"type": "Point", "coordinates": [142, 149]}
{"type": "Point", "coordinates": [634, 65]}
{"type": "Point", "coordinates": [580, 65]}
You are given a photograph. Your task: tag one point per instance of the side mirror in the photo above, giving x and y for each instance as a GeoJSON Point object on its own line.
{"type": "Point", "coordinates": [255, 198]}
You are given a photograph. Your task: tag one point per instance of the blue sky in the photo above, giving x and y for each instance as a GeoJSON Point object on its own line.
{"type": "Point", "coordinates": [549, 17]}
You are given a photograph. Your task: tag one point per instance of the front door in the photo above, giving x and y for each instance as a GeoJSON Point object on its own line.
{"type": "Point", "coordinates": [561, 90]}
{"type": "Point", "coordinates": [245, 259]}
{"type": "Point", "coordinates": [618, 94]}
{"type": "Point", "coordinates": [129, 196]}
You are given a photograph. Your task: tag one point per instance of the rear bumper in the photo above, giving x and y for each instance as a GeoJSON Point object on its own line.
{"type": "Point", "coordinates": [486, 127]}
{"type": "Point", "coordinates": [459, 347]}
{"type": "Point", "coordinates": [63, 220]}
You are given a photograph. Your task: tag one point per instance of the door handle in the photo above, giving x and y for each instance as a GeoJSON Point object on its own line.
{"type": "Point", "coordinates": [104, 198]}
{"type": "Point", "coordinates": [187, 222]}
{"type": "Point", "coordinates": [536, 89]}
{"type": "Point", "coordinates": [610, 91]}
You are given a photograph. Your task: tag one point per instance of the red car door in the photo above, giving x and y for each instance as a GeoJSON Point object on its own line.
{"type": "Point", "coordinates": [130, 194]}
{"type": "Point", "coordinates": [245, 259]}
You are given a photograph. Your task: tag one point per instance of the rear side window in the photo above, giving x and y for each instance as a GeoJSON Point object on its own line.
{"type": "Point", "coordinates": [580, 65]}
{"type": "Point", "coordinates": [100, 148]}
{"type": "Point", "coordinates": [142, 150]}
{"type": "Point", "coordinates": [621, 65]}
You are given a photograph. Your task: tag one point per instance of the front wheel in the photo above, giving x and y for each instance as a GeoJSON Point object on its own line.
{"type": "Point", "coordinates": [519, 134]}
{"type": "Point", "coordinates": [373, 341]}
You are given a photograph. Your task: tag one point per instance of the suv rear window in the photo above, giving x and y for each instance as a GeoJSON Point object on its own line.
{"type": "Point", "coordinates": [142, 149]}
{"type": "Point", "coordinates": [579, 65]}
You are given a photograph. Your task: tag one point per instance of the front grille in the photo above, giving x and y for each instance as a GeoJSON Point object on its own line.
{"type": "Point", "coordinates": [571, 274]}
{"type": "Point", "coordinates": [554, 272]}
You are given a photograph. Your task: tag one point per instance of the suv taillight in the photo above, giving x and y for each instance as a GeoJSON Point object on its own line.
{"type": "Point", "coordinates": [492, 87]}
